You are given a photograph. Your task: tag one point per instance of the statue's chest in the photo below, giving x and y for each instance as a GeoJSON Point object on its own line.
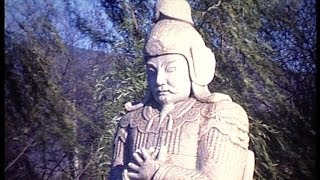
{"type": "Point", "coordinates": [178, 133]}
{"type": "Point", "coordinates": [180, 139]}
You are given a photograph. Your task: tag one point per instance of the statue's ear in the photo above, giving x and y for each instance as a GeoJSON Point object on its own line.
{"type": "Point", "coordinates": [202, 65]}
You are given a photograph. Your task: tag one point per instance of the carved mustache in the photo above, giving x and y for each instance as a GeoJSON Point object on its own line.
{"type": "Point", "coordinates": [165, 89]}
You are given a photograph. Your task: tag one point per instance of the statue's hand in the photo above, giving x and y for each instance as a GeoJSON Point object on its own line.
{"type": "Point", "coordinates": [147, 163]}
{"type": "Point", "coordinates": [125, 175]}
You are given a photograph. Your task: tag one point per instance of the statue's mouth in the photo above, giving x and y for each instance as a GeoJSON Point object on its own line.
{"type": "Point", "coordinates": [162, 92]}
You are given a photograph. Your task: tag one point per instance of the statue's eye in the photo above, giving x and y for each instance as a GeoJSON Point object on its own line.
{"type": "Point", "coordinates": [151, 71]}
{"type": "Point", "coordinates": [170, 69]}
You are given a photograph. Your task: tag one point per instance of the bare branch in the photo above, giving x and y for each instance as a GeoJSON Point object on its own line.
{"type": "Point", "coordinates": [18, 157]}
{"type": "Point", "coordinates": [130, 8]}
{"type": "Point", "coordinates": [214, 6]}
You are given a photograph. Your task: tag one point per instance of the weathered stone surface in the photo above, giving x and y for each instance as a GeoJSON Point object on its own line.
{"type": "Point", "coordinates": [181, 130]}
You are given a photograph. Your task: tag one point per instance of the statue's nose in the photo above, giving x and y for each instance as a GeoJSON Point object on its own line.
{"type": "Point", "coordinates": [161, 78]}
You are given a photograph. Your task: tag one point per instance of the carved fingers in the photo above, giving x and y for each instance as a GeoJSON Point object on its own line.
{"type": "Point", "coordinates": [153, 152]}
{"type": "Point", "coordinates": [138, 158]}
{"type": "Point", "coordinates": [146, 163]}
{"type": "Point", "coordinates": [133, 166]}
{"type": "Point", "coordinates": [125, 175]}
{"type": "Point", "coordinates": [159, 153]}
{"type": "Point", "coordinates": [145, 154]}
{"type": "Point", "coordinates": [135, 175]}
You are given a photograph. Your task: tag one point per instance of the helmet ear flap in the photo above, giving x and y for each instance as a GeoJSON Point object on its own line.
{"type": "Point", "coordinates": [156, 12]}
{"type": "Point", "coordinates": [202, 65]}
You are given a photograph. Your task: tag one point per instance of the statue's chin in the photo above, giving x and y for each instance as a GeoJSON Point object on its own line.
{"type": "Point", "coordinates": [167, 104]}
{"type": "Point", "coordinates": [165, 100]}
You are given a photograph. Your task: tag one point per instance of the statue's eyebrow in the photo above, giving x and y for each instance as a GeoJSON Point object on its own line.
{"type": "Point", "coordinates": [167, 62]}
{"type": "Point", "coordinates": [151, 64]}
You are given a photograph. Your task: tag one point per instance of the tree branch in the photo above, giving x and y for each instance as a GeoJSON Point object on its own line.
{"type": "Point", "coordinates": [18, 157]}
{"type": "Point", "coordinates": [84, 169]}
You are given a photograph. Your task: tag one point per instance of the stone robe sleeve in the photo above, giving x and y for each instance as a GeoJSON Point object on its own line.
{"type": "Point", "coordinates": [222, 147]}
{"type": "Point", "coordinates": [119, 153]}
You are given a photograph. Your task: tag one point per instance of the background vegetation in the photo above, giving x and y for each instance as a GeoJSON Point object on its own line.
{"type": "Point", "coordinates": [71, 66]}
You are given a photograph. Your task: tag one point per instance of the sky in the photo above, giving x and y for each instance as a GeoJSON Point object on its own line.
{"type": "Point", "coordinates": [26, 11]}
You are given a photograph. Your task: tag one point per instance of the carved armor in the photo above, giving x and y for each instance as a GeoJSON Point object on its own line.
{"type": "Point", "coordinates": [203, 140]}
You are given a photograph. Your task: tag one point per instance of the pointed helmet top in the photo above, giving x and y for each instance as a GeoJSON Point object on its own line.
{"type": "Point", "coordinates": [173, 9]}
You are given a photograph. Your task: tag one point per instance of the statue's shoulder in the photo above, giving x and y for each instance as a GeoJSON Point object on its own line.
{"type": "Point", "coordinates": [223, 108]}
{"type": "Point", "coordinates": [227, 117]}
{"type": "Point", "coordinates": [131, 117]}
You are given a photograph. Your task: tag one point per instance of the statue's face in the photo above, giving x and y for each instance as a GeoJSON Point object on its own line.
{"type": "Point", "coordinates": [168, 78]}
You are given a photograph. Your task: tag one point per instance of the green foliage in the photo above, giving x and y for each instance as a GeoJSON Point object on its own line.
{"type": "Point", "coordinates": [125, 83]}
{"type": "Point", "coordinates": [253, 68]}
{"type": "Point", "coordinates": [34, 114]}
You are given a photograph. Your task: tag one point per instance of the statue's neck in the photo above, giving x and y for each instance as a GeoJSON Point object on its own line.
{"type": "Point", "coordinates": [176, 109]}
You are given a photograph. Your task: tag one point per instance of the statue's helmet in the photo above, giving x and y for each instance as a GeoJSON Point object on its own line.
{"type": "Point", "coordinates": [174, 33]}
{"type": "Point", "coordinates": [174, 9]}
{"type": "Point", "coordinates": [176, 37]}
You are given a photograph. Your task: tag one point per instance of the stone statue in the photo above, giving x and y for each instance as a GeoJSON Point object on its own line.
{"type": "Point", "coordinates": [181, 130]}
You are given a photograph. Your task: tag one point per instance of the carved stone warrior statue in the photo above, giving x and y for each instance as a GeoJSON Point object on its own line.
{"type": "Point", "coordinates": [181, 130]}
